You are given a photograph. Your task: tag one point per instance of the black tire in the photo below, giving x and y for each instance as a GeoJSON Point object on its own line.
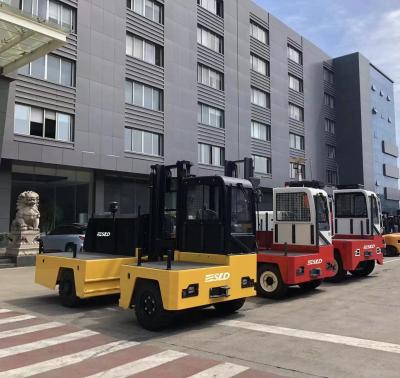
{"type": "Point", "coordinates": [269, 282]}
{"type": "Point", "coordinates": [364, 268]}
{"type": "Point", "coordinates": [70, 247]}
{"type": "Point", "coordinates": [149, 309]}
{"type": "Point", "coordinates": [229, 307]}
{"type": "Point", "coordinates": [340, 272]}
{"type": "Point", "coordinates": [66, 289]}
{"type": "Point", "coordinates": [310, 285]}
{"type": "Point", "coordinates": [391, 251]}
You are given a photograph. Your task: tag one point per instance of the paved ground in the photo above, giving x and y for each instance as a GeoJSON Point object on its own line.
{"type": "Point", "coordinates": [347, 329]}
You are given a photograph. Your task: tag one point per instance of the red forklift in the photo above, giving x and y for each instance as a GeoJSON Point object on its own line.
{"type": "Point", "coordinates": [294, 241]}
{"type": "Point", "coordinates": [357, 227]}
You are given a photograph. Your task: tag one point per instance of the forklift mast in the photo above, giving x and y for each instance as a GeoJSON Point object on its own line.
{"type": "Point", "coordinates": [162, 182]}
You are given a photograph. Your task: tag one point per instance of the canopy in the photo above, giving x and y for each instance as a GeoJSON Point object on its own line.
{"type": "Point", "coordinates": [24, 38]}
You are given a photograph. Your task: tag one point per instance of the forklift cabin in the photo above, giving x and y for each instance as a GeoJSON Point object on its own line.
{"type": "Point", "coordinates": [200, 248]}
{"type": "Point", "coordinates": [357, 241]}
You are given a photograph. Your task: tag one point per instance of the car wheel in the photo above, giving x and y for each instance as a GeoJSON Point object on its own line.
{"type": "Point", "coordinates": [70, 247]}
{"type": "Point", "coordinates": [340, 273]}
{"type": "Point", "coordinates": [229, 307]}
{"type": "Point", "coordinates": [149, 309]}
{"type": "Point", "coordinates": [269, 282]}
{"type": "Point", "coordinates": [364, 268]}
{"type": "Point", "coordinates": [66, 289]}
{"type": "Point", "coordinates": [310, 285]}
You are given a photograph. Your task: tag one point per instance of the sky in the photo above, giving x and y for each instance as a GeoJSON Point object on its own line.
{"type": "Point", "coordinates": [339, 27]}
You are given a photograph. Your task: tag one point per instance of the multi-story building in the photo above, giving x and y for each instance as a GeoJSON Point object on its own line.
{"type": "Point", "coordinates": [368, 152]}
{"type": "Point", "coordinates": [142, 82]}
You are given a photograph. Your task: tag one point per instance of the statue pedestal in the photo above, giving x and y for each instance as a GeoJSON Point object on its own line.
{"type": "Point", "coordinates": [23, 247]}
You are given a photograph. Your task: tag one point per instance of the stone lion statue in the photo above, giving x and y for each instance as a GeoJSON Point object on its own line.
{"type": "Point", "coordinates": [28, 215]}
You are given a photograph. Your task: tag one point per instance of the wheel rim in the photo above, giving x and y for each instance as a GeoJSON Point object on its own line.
{"type": "Point", "coordinates": [149, 304]}
{"type": "Point", "coordinates": [269, 281]}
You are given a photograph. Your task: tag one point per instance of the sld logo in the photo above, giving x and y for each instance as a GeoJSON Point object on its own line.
{"type": "Point", "coordinates": [217, 277]}
{"type": "Point", "coordinates": [103, 234]}
{"type": "Point", "coordinates": [371, 246]}
{"type": "Point", "coordinates": [314, 262]}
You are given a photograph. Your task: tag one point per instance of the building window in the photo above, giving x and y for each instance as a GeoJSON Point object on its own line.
{"type": "Point", "coordinates": [147, 8]}
{"type": "Point", "coordinates": [43, 123]}
{"type": "Point", "coordinates": [211, 155]}
{"type": "Point", "coordinates": [328, 76]}
{"type": "Point", "coordinates": [61, 14]}
{"type": "Point", "coordinates": [262, 164]}
{"type": "Point", "coordinates": [210, 116]}
{"type": "Point", "coordinates": [297, 171]}
{"type": "Point", "coordinates": [329, 126]}
{"type": "Point", "coordinates": [260, 131]}
{"type": "Point", "coordinates": [296, 141]}
{"type": "Point", "coordinates": [51, 68]}
{"type": "Point", "coordinates": [295, 83]}
{"type": "Point", "coordinates": [214, 6]}
{"type": "Point", "coordinates": [210, 77]}
{"type": "Point", "coordinates": [259, 65]}
{"type": "Point", "coordinates": [331, 151]}
{"type": "Point", "coordinates": [259, 33]}
{"type": "Point", "coordinates": [144, 50]}
{"type": "Point", "coordinates": [143, 95]}
{"type": "Point", "coordinates": [210, 40]}
{"type": "Point", "coordinates": [260, 98]}
{"type": "Point", "coordinates": [296, 112]}
{"type": "Point", "coordinates": [294, 55]}
{"type": "Point", "coordinates": [329, 100]}
{"type": "Point", "coordinates": [143, 142]}
{"type": "Point", "coordinates": [331, 177]}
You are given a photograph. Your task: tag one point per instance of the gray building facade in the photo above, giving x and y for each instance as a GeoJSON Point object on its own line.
{"type": "Point", "coordinates": [368, 152]}
{"type": "Point", "coordinates": [146, 82]}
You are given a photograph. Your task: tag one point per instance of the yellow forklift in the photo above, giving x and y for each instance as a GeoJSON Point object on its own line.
{"type": "Point", "coordinates": [195, 248]}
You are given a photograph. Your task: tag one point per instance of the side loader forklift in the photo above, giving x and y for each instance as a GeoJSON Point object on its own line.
{"type": "Point", "coordinates": [357, 227]}
{"type": "Point", "coordinates": [195, 248]}
{"type": "Point", "coordinates": [295, 242]}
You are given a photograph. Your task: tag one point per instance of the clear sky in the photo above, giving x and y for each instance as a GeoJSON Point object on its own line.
{"type": "Point", "coordinates": [339, 27]}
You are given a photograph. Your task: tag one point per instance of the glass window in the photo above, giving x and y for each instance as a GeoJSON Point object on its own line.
{"type": "Point", "coordinates": [62, 15]}
{"type": "Point", "coordinates": [143, 95]}
{"type": "Point", "coordinates": [29, 6]}
{"type": "Point", "coordinates": [64, 127]}
{"type": "Point", "coordinates": [292, 207]}
{"type": "Point", "coordinates": [296, 141]}
{"type": "Point", "coordinates": [213, 6]}
{"type": "Point", "coordinates": [242, 210]}
{"type": "Point", "coordinates": [350, 205]}
{"type": "Point", "coordinates": [147, 8]}
{"type": "Point", "coordinates": [329, 100]}
{"type": "Point", "coordinates": [38, 67]}
{"type": "Point", "coordinates": [295, 83]}
{"type": "Point", "coordinates": [50, 124]}
{"type": "Point", "coordinates": [128, 139]}
{"type": "Point", "coordinates": [143, 142]}
{"type": "Point", "coordinates": [260, 131]}
{"type": "Point", "coordinates": [209, 39]}
{"type": "Point", "coordinates": [322, 212]}
{"type": "Point", "coordinates": [210, 77]}
{"type": "Point", "coordinates": [210, 116]}
{"type": "Point", "coordinates": [328, 76]}
{"type": "Point", "coordinates": [53, 68]}
{"type": "Point", "coordinates": [149, 53]}
{"type": "Point", "coordinates": [296, 113]}
{"type": "Point", "coordinates": [331, 151]}
{"type": "Point", "coordinates": [36, 124]}
{"type": "Point", "coordinates": [137, 141]}
{"type": "Point", "coordinates": [295, 55]}
{"type": "Point", "coordinates": [260, 98]}
{"type": "Point", "coordinates": [138, 94]}
{"type": "Point", "coordinates": [259, 65]}
{"type": "Point", "coordinates": [329, 126]}
{"type": "Point", "coordinates": [331, 177]}
{"type": "Point", "coordinates": [67, 73]}
{"type": "Point", "coordinates": [259, 32]}
{"type": "Point", "coordinates": [148, 97]}
{"type": "Point", "coordinates": [137, 48]}
{"type": "Point", "coordinates": [262, 164]}
{"type": "Point", "coordinates": [297, 171]}
{"type": "Point", "coordinates": [21, 119]}
{"type": "Point", "coordinates": [211, 155]}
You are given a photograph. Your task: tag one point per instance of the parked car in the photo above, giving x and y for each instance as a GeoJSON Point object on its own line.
{"type": "Point", "coordinates": [64, 238]}
{"type": "Point", "coordinates": [392, 244]}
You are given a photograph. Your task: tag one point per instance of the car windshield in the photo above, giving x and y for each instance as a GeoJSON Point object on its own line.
{"type": "Point", "coordinates": [242, 211]}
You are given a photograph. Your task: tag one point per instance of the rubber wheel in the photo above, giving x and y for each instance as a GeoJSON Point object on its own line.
{"type": "Point", "coordinates": [149, 309]}
{"type": "Point", "coordinates": [364, 268]}
{"type": "Point", "coordinates": [310, 285]}
{"type": "Point", "coordinates": [338, 267]}
{"type": "Point", "coordinates": [66, 289]}
{"type": "Point", "coordinates": [269, 282]}
{"type": "Point", "coordinates": [391, 250]}
{"type": "Point", "coordinates": [69, 248]}
{"type": "Point", "coordinates": [229, 307]}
